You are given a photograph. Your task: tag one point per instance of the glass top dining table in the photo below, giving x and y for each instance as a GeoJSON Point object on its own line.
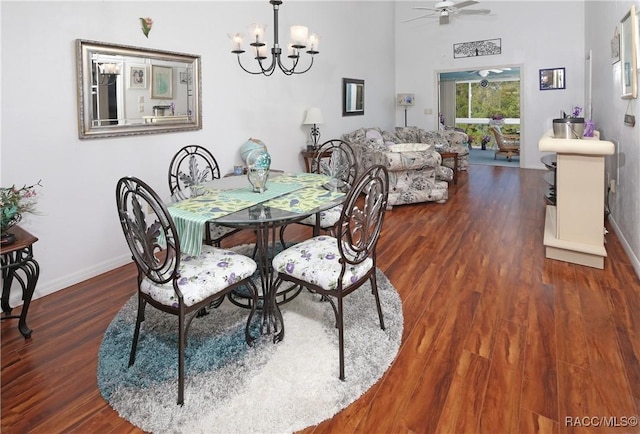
{"type": "Point", "coordinates": [231, 201]}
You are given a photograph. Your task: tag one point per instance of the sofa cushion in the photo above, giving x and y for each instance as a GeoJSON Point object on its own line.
{"type": "Point", "coordinates": [410, 160]}
{"type": "Point", "coordinates": [409, 134]}
{"type": "Point", "coordinates": [374, 134]}
{"type": "Point", "coordinates": [405, 147]}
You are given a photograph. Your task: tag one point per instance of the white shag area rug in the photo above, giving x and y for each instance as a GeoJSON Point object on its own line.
{"type": "Point", "coordinates": [233, 388]}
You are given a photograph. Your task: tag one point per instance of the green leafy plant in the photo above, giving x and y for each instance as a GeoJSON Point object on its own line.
{"type": "Point", "coordinates": [14, 202]}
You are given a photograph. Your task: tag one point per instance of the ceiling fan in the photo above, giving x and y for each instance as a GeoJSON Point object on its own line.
{"type": "Point", "coordinates": [444, 9]}
{"type": "Point", "coordinates": [485, 72]}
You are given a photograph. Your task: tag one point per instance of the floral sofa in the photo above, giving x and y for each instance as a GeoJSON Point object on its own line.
{"type": "Point", "coordinates": [416, 173]}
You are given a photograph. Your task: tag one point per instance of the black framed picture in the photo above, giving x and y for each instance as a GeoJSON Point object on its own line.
{"type": "Point", "coordinates": [352, 97]}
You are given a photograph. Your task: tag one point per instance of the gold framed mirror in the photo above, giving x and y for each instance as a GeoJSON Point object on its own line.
{"type": "Point", "coordinates": [628, 54]}
{"type": "Point", "coordinates": [124, 90]}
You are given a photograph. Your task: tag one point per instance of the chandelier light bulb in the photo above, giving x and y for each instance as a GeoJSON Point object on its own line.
{"type": "Point", "coordinates": [314, 41]}
{"type": "Point", "coordinates": [299, 36]}
{"type": "Point", "coordinates": [257, 33]}
{"type": "Point", "coordinates": [236, 42]}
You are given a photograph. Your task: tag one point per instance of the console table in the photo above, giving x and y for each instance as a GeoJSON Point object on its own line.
{"type": "Point", "coordinates": [309, 157]}
{"type": "Point", "coordinates": [17, 262]}
{"type": "Point", "coordinates": [574, 226]}
{"type": "Point", "coordinates": [454, 157]}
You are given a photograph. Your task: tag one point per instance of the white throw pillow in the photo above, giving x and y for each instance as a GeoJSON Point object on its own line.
{"type": "Point", "coordinates": [409, 147]}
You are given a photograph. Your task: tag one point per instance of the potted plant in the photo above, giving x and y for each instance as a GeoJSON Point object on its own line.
{"type": "Point", "coordinates": [14, 202]}
{"type": "Point", "coordinates": [485, 139]}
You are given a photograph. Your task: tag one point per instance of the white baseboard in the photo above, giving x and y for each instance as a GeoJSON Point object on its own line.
{"type": "Point", "coordinates": [70, 279]}
{"type": "Point", "coordinates": [627, 248]}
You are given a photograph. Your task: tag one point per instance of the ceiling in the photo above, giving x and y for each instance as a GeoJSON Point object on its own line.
{"type": "Point", "coordinates": [472, 75]}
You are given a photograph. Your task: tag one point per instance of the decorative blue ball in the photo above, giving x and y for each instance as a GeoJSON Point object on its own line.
{"type": "Point", "coordinates": [250, 145]}
{"type": "Point", "coordinates": [258, 159]}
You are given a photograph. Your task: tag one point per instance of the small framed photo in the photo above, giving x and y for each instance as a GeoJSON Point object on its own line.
{"type": "Point", "coordinates": [161, 82]}
{"type": "Point", "coordinates": [185, 77]}
{"type": "Point", "coordinates": [138, 77]}
{"type": "Point", "coordinates": [552, 79]}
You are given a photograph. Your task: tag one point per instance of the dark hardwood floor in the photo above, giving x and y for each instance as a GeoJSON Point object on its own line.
{"type": "Point", "coordinates": [497, 339]}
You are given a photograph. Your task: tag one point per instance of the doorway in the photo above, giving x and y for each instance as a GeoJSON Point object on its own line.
{"type": "Point", "coordinates": [476, 100]}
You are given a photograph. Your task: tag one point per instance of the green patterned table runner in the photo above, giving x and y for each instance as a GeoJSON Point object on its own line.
{"type": "Point", "coordinates": [296, 192]}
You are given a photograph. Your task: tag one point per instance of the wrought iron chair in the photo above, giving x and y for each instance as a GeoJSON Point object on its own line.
{"type": "Point", "coordinates": [168, 281]}
{"type": "Point", "coordinates": [190, 166]}
{"type": "Point", "coordinates": [336, 159]}
{"type": "Point", "coordinates": [334, 267]}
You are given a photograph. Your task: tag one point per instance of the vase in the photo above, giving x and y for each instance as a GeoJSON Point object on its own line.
{"type": "Point", "coordinates": [7, 239]}
{"type": "Point", "coordinates": [8, 222]}
{"type": "Point", "coordinates": [258, 164]}
{"type": "Point", "coordinates": [568, 128]}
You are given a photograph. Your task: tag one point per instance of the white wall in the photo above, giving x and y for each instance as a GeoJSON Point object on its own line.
{"type": "Point", "coordinates": [423, 47]}
{"type": "Point", "coordinates": [79, 234]}
{"type": "Point", "coordinates": [608, 112]}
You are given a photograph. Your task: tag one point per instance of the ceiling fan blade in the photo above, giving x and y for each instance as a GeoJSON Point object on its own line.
{"type": "Point", "coordinates": [418, 18]}
{"type": "Point", "coordinates": [464, 4]}
{"type": "Point", "coordinates": [423, 8]}
{"type": "Point", "coordinates": [474, 11]}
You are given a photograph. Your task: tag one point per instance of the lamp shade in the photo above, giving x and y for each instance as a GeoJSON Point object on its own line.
{"type": "Point", "coordinates": [314, 116]}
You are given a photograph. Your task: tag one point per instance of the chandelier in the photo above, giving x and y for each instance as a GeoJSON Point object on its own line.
{"type": "Point", "coordinates": [108, 72]}
{"type": "Point", "coordinates": [300, 39]}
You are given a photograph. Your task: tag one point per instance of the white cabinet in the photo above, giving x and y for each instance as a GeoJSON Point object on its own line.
{"type": "Point", "coordinates": [574, 226]}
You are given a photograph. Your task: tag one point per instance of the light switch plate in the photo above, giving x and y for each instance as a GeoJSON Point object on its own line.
{"type": "Point", "coordinates": [630, 120]}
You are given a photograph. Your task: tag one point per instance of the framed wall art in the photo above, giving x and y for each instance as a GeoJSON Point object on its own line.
{"type": "Point", "coordinates": [161, 82]}
{"type": "Point", "coordinates": [352, 97]}
{"type": "Point", "coordinates": [138, 76]}
{"type": "Point", "coordinates": [552, 79]}
{"type": "Point", "coordinates": [628, 53]}
{"type": "Point", "coordinates": [477, 48]}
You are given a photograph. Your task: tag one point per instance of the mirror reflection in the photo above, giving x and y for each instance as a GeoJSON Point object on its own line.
{"type": "Point", "coordinates": [628, 59]}
{"type": "Point", "coordinates": [352, 97]}
{"type": "Point", "coordinates": [127, 90]}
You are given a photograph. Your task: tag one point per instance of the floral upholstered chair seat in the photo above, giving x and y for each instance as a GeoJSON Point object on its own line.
{"type": "Point", "coordinates": [324, 269]}
{"type": "Point", "coordinates": [210, 272]}
{"type": "Point", "coordinates": [328, 218]}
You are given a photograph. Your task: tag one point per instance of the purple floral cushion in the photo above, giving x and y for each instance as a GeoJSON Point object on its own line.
{"type": "Point", "coordinates": [202, 276]}
{"type": "Point", "coordinates": [317, 261]}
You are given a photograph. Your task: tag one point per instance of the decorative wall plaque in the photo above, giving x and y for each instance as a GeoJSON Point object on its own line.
{"type": "Point", "coordinates": [477, 48]}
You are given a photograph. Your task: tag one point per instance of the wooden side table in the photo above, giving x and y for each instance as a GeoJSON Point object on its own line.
{"type": "Point", "coordinates": [309, 156]}
{"type": "Point", "coordinates": [453, 155]}
{"type": "Point", "coordinates": [16, 260]}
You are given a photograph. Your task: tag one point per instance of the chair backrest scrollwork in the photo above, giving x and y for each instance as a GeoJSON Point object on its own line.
{"type": "Point", "coordinates": [192, 165]}
{"type": "Point", "coordinates": [362, 216]}
{"type": "Point", "coordinates": [149, 230]}
{"type": "Point", "coordinates": [336, 159]}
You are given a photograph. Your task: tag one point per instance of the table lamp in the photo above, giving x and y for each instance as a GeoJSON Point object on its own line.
{"type": "Point", "coordinates": [314, 117]}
